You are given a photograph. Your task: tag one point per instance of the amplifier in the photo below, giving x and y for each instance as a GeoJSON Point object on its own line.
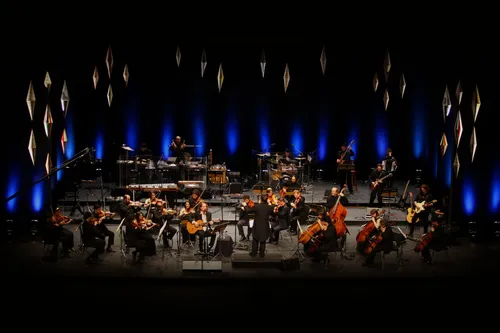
{"type": "Point", "coordinates": [235, 188]}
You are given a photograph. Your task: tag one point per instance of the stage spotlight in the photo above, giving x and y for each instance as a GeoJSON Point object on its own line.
{"type": "Point", "coordinates": [34, 229]}
{"type": "Point", "coordinates": [9, 229]}
{"type": "Point", "coordinates": [496, 229]}
{"type": "Point", "coordinates": [418, 176]}
{"type": "Point", "coordinates": [473, 230]}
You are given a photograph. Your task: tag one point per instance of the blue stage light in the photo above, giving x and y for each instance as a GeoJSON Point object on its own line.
{"type": "Point", "coordinates": [381, 137]}
{"type": "Point", "coordinates": [353, 135]}
{"type": "Point", "coordinates": [60, 160]}
{"type": "Point", "coordinates": [13, 183]}
{"type": "Point", "coordinates": [263, 123]}
{"type": "Point", "coordinates": [232, 133]}
{"type": "Point", "coordinates": [199, 133]}
{"type": "Point", "coordinates": [99, 144]}
{"type": "Point", "coordinates": [322, 141]}
{"type": "Point", "coordinates": [168, 135]}
{"type": "Point", "coordinates": [296, 139]}
{"type": "Point", "coordinates": [37, 196]}
{"type": "Point", "coordinates": [448, 167]}
{"type": "Point", "coordinates": [131, 122]}
{"type": "Point", "coordinates": [70, 133]}
{"type": "Point", "coordinates": [469, 197]}
{"type": "Point", "coordinates": [418, 125]}
{"type": "Point", "coordinates": [495, 192]}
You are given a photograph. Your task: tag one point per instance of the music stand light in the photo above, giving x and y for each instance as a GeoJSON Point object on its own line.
{"type": "Point", "coordinates": [34, 229]}
{"type": "Point", "coordinates": [9, 229]}
{"type": "Point", "coordinates": [472, 229]}
{"type": "Point", "coordinates": [496, 229]}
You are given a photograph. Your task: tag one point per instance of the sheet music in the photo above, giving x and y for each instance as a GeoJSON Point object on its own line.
{"type": "Point", "coordinates": [119, 226]}
{"type": "Point", "coordinates": [250, 223]}
{"type": "Point", "coordinates": [161, 230]}
{"type": "Point", "coordinates": [402, 233]}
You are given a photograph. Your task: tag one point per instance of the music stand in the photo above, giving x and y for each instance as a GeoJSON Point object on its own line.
{"type": "Point", "coordinates": [220, 228]}
{"type": "Point", "coordinates": [158, 238]}
{"type": "Point", "coordinates": [296, 251]}
{"type": "Point", "coordinates": [120, 230]}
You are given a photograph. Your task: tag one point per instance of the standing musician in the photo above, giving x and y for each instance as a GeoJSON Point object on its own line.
{"type": "Point", "coordinates": [280, 221]}
{"type": "Point", "coordinates": [100, 216]}
{"type": "Point", "coordinates": [423, 217]}
{"type": "Point", "coordinates": [178, 147]}
{"type": "Point", "coordinates": [127, 207]}
{"type": "Point", "coordinates": [260, 229]}
{"type": "Point", "coordinates": [298, 208]}
{"type": "Point", "coordinates": [92, 237]}
{"type": "Point", "coordinates": [368, 231]}
{"type": "Point", "coordinates": [332, 200]}
{"type": "Point", "coordinates": [186, 214]}
{"type": "Point", "coordinates": [389, 165]}
{"type": "Point", "coordinates": [325, 240]}
{"type": "Point", "coordinates": [57, 233]}
{"type": "Point", "coordinates": [244, 219]}
{"type": "Point", "coordinates": [271, 198]}
{"type": "Point", "coordinates": [377, 186]}
{"type": "Point", "coordinates": [382, 241]}
{"type": "Point", "coordinates": [137, 231]}
{"type": "Point", "coordinates": [160, 216]}
{"type": "Point", "coordinates": [205, 216]}
{"type": "Point", "coordinates": [344, 176]}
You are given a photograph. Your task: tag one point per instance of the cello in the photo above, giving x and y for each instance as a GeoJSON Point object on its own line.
{"type": "Point", "coordinates": [374, 243]}
{"type": "Point", "coordinates": [338, 214]}
{"type": "Point", "coordinates": [306, 236]}
{"type": "Point", "coordinates": [426, 239]}
{"type": "Point", "coordinates": [368, 229]}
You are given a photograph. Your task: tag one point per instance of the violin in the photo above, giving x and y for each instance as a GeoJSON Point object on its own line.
{"type": "Point", "coordinates": [283, 192]}
{"type": "Point", "coordinates": [251, 204]}
{"type": "Point", "coordinates": [272, 200]}
{"type": "Point", "coordinates": [57, 219]}
{"type": "Point", "coordinates": [144, 224]}
{"type": "Point", "coordinates": [102, 214]}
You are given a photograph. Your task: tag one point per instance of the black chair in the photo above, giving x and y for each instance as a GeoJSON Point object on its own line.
{"type": "Point", "coordinates": [398, 243]}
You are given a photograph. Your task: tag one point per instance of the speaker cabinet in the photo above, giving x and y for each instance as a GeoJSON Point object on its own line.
{"type": "Point", "coordinates": [235, 188]}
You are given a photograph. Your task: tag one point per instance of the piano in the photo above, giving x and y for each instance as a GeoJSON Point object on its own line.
{"type": "Point", "coordinates": [166, 187]}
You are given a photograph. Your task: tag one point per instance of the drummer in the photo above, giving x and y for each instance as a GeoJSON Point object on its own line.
{"type": "Point", "coordinates": [144, 152]}
{"type": "Point", "coordinates": [288, 156]}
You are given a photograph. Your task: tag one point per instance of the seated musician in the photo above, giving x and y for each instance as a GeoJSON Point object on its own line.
{"type": "Point", "coordinates": [292, 186]}
{"type": "Point", "coordinates": [100, 215]}
{"type": "Point", "coordinates": [326, 238]}
{"type": "Point", "coordinates": [244, 219]}
{"type": "Point", "coordinates": [297, 210]}
{"type": "Point", "coordinates": [271, 198]}
{"type": "Point", "coordinates": [332, 200]}
{"type": "Point", "coordinates": [59, 234]}
{"type": "Point", "coordinates": [369, 230]}
{"type": "Point", "coordinates": [205, 216]}
{"type": "Point", "coordinates": [424, 195]}
{"type": "Point", "coordinates": [195, 200]}
{"type": "Point", "coordinates": [377, 174]}
{"type": "Point", "coordinates": [159, 216]}
{"type": "Point", "coordinates": [127, 207]}
{"type": "Point", "coordinates": [145, 242]}
{"type": "Point", "coordinates": [92, 237]}
{"type": "Point", "coordinates": [152, 200]}
{"type": "Point", "coordinates": [434, 240]}
{"type": "Point", "coordinates": [383, 241]}
{"type": "Point", "coordinates": [279, 221]}
{"type": "Point", "coordinates": [186, 214]}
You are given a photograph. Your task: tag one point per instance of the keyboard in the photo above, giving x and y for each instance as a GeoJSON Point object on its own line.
{"type": "Point", "coordinates": [191, 184]}
{"type": "Point", "coordinates": [166, 187]}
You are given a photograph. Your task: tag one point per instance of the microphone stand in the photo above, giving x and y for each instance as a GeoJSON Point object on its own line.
{"type": "Point", "coordinates": [267, 163]}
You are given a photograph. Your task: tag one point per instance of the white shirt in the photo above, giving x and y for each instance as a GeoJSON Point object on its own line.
{"type": "Point", "coordinates": [204, 219]}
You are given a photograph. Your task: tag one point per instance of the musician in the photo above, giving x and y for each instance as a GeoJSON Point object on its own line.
{"type": "Point", "coordinates": [386, 244]}
{"type": "Point", "coordinates": [100, 216]}
{"type": "Point", "coordinates": [152, 200]}
{"type": "Point", "coordinates": [423, 217]}
{"type": "Point", "coordinates": [327, 238]}
{"type": "Point", "coordinates": [160, 217]}
{"type": "Point", "coordinates": [205, 216]}
{"type": "Point", "coordinates": [377, 174]}
{"type": "Point", "coordinates": [57, 233]}
{"type": "Point", "coordinates": [127, 208]}
{"type": "Point", "coordinates": [438, 242]}
{"type": "Point", "coordinates": [92, 237]}
{"type": "Point", "coordinates": [280, 221]}
{"type": "Point", "coordinates": [144, 152]}
{"type": "Point", "coordinates": [292, 186]}
{"type": "Point", "coordinates": [288, 156]}
{"type": "Point", "coordinates": [137, 232]}
{"type": "Point", "coordinates": [335, 195]}
{"type": "Point", "coordinates": [271, 198]}
{"type": "Point", "coordinates": [344, 176]}
{"type": "Point", "coordinates": [186, 214]}
{"type": "Point", "coordinates": [369, 230]}
{"type": "Point", "coordinates": [260, 229]}
{"type": "Point", "coordinates": [195, 200]}
{"type": "Point", "coordinates": [244, 219]}
{"type": "Point", "coordinates": [178, 147]}
{"type": "Point", "coordinates": [389, 165]}
{"type": "Point", "coordinates": [298, 206]}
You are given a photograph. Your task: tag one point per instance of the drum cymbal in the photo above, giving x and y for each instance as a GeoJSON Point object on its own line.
{"type": "Point", "coordinates": [300, 158]}
{"type": "Point", "coordinates": [127, 148]}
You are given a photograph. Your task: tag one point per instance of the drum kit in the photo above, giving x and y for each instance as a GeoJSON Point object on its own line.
{"type": "Point", "coordinates": [281, 168]}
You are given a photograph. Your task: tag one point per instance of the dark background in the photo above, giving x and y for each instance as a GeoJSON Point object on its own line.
{"type": "Point", "coordinates": [163, 100]}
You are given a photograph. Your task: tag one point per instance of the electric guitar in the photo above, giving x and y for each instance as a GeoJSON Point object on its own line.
{"type": "Point", "coordinates": [376, 183]}
{"type": "Point", "coordinates": [342, 158]}
{"type": "Point", "coordinates": [194, 227]}
{"type": "Point", "coordinates": [419, 207]}
{"type": "Point", "coordinates": [402, 200]}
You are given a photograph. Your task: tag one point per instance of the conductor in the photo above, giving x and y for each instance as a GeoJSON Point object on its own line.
{"type": "Point", "coordinates": [261, 229]}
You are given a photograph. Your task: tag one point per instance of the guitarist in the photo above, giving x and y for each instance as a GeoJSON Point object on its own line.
{"type": "Point", "coordinates": [205, 216]}
{"type": "Point", "coordinates": [423, 217]}
{"type": "Point", "coordinates": [377, 186]}
{"type": "Point", "coordinates": [344, 157]}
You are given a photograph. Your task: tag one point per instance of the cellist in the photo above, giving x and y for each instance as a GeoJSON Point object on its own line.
{"type": "Point", "coordinates": [325, 240]}
{"type": "Point", "coordinates": [379, 242]}
{"type": "Point", "coordinates": [368, 231]}
{"type": "Point", "coordinates": [433, 240]}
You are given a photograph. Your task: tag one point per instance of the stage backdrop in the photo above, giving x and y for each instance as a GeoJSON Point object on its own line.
{"type": "Point", "coordinates": [307, 97]}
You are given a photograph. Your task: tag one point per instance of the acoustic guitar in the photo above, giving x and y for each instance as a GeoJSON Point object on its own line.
{"type": "Point", "coordinates": [193, 228]}
{"type": "Point", "coordinates": [419, 207]}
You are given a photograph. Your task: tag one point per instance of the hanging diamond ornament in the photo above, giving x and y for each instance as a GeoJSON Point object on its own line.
{"type": "Point", "coordinates": [109, 61]}
{"type": "Point", "coordinates": [32, 147]}
{"type": "Point", "coordinates": [456, 165]}
{"type": "Point", "coordinates": [459, 92]}
{"type": "Point", "coordinates": [31, 100]}
{"type": "Point", "coordinates": [443, 145]}
{"type": "Point", "coordinates": [95, 77]}
{"type": "Point", "coordinates": [458, 128]}
{"type": "Point", "coordinates": [476, 103]}
{"type": "Point", "coordinates": [386, 99]}
{"type": "Point", "coordinates": [473, 144]}
{"type": "Point", "coordinates": [125, 75]}
{"type": "Point", "coordinates": [110, 95]}
{"type": "Point", "coordinates": [220, 77]}
{"type": "Point", "coordinates": [47, 82]}
{"type": "Point", "coordinates": [375, 82]}
{"type": "Point", "coordinates": [178, 56]}
{"type": "Point", "coordinates": [64, 99]}
{"type": "Point", "coordinates": [48, 121]}
{"type": "Point", "coordinates": [402, 85]}
{"type": "Point", "coordinates": [64, 141]}
{"type": "Point", "coordinates": [387, 65]}
{"type": "Point", "coordinates": [446, 104]}
{"type": "Point", "coordinates": [203, 62]}
{"type": "Point", "coordinates": [286, 77]}
{"type": "Point", "coordinates": [263, 63]}
{"type": "Point", "coordinates": [322, 60]}
{"type": "Point", "coordinates": [48, 164]}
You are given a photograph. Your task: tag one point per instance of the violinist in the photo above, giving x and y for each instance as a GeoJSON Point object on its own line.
{"type": "Point", "coordinates": [425, 196]}
{"type": "Point", "coordinates": [186, 214]}
{"type": "Point", "coordinates": [92, 237]}
{"type": "Point", "coordinates": [332, 200]}
{"type": "Point", "coordinates": [368, 231]}
{"type": "Point", "coordinates": [145, 241]}
{"type": "Point", "coordinates": [60, 234]}
{"type": "Point", "coordinates": [244, 219]}
{"type": "Point", "coordinates": [271, 198]}
{"type": "Point", "coordinates": [297, 210]}
{"type": "Point", "coordinates": [152, 200]}
{"type": "Point", "coordinates": [195, 200]}
{"type": "Point", "coordinates": [127, 207]}
{"type": "Point", "coordinates": [100, 215]}
{"type": "Point", "coordinates": [292, 186]}
{"type": "Point", "coordinates": [160, 216]}
{"type": "Point", "coordinates": [381, 241]}
{"type": "Point", "coordinates": [280, 221]}
{"type": "Point", "coordinates": [325, 240]}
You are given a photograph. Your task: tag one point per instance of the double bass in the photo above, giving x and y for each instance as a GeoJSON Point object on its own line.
{"type": "Point", "coordinates": [368, 229]}
{"type": "Point", "coordinates": [338, 214]}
